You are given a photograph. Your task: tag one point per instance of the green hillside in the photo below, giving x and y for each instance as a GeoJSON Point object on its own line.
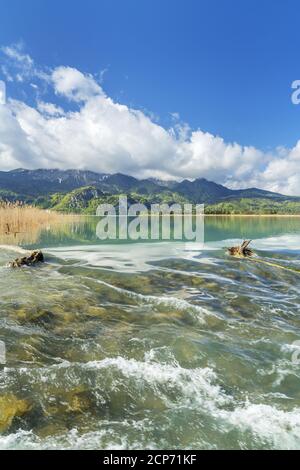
{"type": "Point", "coordinates": [86, 200]}
{"type": "Point", "coordinates": [80, 191]}
{"type": "Point", "coordinates": [254, 206]}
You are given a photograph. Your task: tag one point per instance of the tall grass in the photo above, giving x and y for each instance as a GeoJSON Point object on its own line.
{"type": "Point", "coordinates": [19, 221]}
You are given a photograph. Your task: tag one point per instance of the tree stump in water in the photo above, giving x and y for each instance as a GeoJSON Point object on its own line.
{"type": "Point", "coordinates": [241, 251]}
{"type": "Point", "coordinates": [35, 257]}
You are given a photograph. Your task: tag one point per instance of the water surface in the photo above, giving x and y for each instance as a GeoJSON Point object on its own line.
{"type": "Point", "coordinates": [155, 345]}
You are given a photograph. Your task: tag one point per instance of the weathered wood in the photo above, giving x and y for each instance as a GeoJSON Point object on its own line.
{"type": "Point", "coordinates": [35, 257]}
{"type": "Point", "coordinates": [241, 251]}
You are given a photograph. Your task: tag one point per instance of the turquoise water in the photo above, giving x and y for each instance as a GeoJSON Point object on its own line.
{"type": "Point", "coordinates": [153, 345]}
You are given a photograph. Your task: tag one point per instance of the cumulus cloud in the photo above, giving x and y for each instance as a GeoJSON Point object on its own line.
{"type": "Point", "coordinates": [103, 135]}
{"type": "Point", "coordinates": [15, 148]}
{"type": "Point", "coordinates": [74, 85]}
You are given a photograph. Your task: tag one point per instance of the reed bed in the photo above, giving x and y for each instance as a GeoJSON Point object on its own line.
{"type": "Point", "coordinates": [18, 221]}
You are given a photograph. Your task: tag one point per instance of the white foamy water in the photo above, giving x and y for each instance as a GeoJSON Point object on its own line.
{"type": "Point", "coordinates": [195, 389]}
{"type": "Point", "coordinates": [125, 257]}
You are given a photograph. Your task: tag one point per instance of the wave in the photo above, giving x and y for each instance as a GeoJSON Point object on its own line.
{"type": "Point", "coordinates": [180, 389]}
{"type": "Point", "coordinates": [136, 257]}
{"type": "Point", "coordinates": [164, 301]}
{"type": "Point", "coordinates": [16, 249]}
{"type": "Point", "coordinates": [278, 428]}
{"type": "Point", "coordinates": [106, 439]}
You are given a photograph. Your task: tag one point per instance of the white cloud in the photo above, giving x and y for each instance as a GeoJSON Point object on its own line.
{"type": "Point", "coordinates": [7, 75]}
{"type": "Point", "coordinates": [14, 53]}
{"type": "Point", "coordinates": [15, 147]}
{"type": "Point", "coordinates": [74, 85]}
{"type": "Point", "coordinates": [49, 109]}
{"type": "Point", "coordinates": [106, 136]}
{"type": "Point", "coordinates": [20, 66]}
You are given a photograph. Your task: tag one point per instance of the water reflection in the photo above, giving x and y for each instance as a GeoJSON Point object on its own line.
{"type": "Point", "coordinates": [83, 232]}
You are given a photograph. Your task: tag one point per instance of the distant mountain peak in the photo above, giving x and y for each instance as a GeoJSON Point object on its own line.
{"type": "Point", "coordinates": [41, 182]}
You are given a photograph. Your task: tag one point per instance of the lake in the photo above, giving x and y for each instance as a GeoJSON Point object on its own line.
{"type": "Point", "coordinates": [160, 345]}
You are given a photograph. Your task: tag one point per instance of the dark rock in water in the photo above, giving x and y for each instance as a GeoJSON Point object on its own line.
{"type": "Point", "coordinates": [241, 251]}
{"type": "Point", "coordinates": [35, 257]}
{"type": "Point", "coordinates": [11, 407]}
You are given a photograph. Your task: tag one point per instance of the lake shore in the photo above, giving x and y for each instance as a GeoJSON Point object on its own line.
{"type": "Point", "coordinates": [205, 215]}
{"type": "Point", "coordinates": [252, 215]}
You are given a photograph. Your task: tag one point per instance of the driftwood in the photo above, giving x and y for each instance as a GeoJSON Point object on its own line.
{"type": "Point", "coordinates": [241, 251]}
{"type": "Point", "coordinates": [35, 257]}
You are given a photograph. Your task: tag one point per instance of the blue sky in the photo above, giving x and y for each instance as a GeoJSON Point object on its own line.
{"type": "Point", "coordinates": [225, 66]}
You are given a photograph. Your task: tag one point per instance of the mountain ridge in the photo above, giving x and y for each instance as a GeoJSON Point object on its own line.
{"type": "Point", "coordinates": [50, 188]}
{"type": "Point", "coordinates": [73, 178]}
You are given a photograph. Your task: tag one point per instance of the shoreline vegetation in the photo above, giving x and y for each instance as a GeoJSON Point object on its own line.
{"type": "Point", "coordinates": [18, 217]}
{"type": "Point", "coordinates": [19, 222]}
{"type": "Point", "coordinates": [22, 224]}
{"type": "Point", "coordinates": [30, 225]}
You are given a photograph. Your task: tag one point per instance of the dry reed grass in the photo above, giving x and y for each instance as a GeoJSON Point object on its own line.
{"type": "Point", "coordinates": [19, 221]}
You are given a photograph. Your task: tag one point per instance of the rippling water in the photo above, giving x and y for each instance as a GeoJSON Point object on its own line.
{"type": "Point", "coordinates": [155, 345]}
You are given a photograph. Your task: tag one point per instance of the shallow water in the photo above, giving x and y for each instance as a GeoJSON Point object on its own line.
{"type": "Point", "coordinates": [155, 345]}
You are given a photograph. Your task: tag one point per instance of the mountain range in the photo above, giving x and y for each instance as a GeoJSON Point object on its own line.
{"type": "Point", "coordinates": [79, 190]}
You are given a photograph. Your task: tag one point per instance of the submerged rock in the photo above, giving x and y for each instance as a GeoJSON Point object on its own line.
{"type": "Point", "coordinates": [76, 400]}
{"type": "Point", "coordinates": [241, 251]}
{"type": "Point", "coordinates": [10, 407]}
{"type": "Point", "coordinates": [35, 257]}
{"type": "Point", "coordinates": [50, 430]}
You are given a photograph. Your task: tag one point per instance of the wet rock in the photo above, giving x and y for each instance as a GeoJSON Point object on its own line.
{"type": "Point", "coordinates": [96, 312]}
{"type": "Point", "coordinates": [241, 251]}
{"type": "Point", "coordinates": [77, 400]}
{"type": "Point", "coordinates": [33, 314]}
{"type": "Point", "coordinates": [34, 258]}
{"type": "Point", "coordinates": [11, 407]}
